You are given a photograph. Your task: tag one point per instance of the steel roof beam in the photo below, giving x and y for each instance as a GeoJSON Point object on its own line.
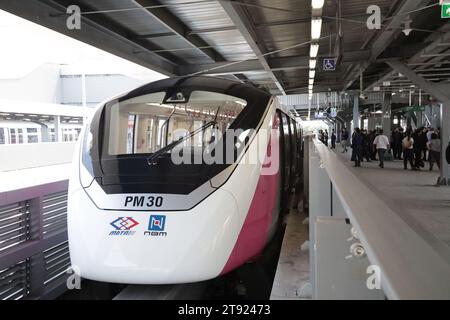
{"type": "Point", "coordinates": [385, 38]}
{"type": "Point", "coordinates": [429, 87]}
{"type": "Point", "coordinates": [254, 65]}
{"type": "Point", "coordinates": [96, 31]}
{"type": "Point", "coordinates": [435, 42]}
{"type": "Point", "coordinates": [175, 25]}
{"type": "Point", "coordinates": [247, 30]}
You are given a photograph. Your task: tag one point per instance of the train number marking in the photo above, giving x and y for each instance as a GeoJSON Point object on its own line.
{"type": "Point", "coordinates": [143, 201]}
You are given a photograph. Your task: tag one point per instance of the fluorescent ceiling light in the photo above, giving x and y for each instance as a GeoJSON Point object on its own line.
{"type": "Point", "coordinates": [310, 87]}
{"type": "Point", "coordinates": [317, 4]}
{"type": "Point", "coordinates": [312, 74]}
{"type": "Point", "coordinates": [314, 50]}
{"type": "Point", "coordinates": [312, 63]}
{"type": "Point", "coordinates": [316, 28]}
{"type": "Point", "coordinates": [311, 81]}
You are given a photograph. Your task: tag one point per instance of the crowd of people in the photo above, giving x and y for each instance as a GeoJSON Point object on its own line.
{"type": "Point", "coordinates": [412, 146]}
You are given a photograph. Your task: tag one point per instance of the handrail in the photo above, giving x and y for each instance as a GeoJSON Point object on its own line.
{"type": "Point", "coordinates": [410, 267]}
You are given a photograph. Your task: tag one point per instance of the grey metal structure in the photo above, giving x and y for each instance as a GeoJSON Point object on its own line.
{"type": "Point", "coordinates": [34, 254]}
{"type": "Point", "coordinates": [256, 41]}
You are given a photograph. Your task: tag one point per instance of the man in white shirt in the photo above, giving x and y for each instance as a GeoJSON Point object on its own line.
{"type": "Point", "coordinates": [381, 143]}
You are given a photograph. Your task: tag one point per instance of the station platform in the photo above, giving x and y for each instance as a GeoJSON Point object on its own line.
{"type": "Point", "coordinates": [413, 195]}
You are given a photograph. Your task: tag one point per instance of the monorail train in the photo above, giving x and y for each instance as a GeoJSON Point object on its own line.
{"type": "Point", "coordinates": [137, 216]}
{"type": "Point", "coordinates": [19, 132]}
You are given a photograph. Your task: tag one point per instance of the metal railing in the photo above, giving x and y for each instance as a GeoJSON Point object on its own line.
{"type": "Point", "coordinates": [410, 267]}
{"type": "Point", "coordinates": [34, 254]}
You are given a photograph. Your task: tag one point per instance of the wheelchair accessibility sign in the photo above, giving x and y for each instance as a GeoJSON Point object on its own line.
{"type": "Point", "coordinates": [329, 64]}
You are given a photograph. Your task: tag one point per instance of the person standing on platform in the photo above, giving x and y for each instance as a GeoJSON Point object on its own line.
{"type": "Point", "coordinates": [357, 145]}
{"type": "Point", "coordinates": [397, 137]}
{"type": "Point", "coordinates": [325, 138]}
{"type": "Point", "coordinates": [434, 145]}
{"type": "Point", "coordinates": [333, 140]}
{"type": "Point", "coordinates": [408, 151]}
{"type": "Point", "coordinates": [417, 136]}
{"type": "Point", "coordinates": [344, 140]}
{"type": "Point", "coordinates": [381, 143]}
{"type": "Point", "coordinates": [367, 146]}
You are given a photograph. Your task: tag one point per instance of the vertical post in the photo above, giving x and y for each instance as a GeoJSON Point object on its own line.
{"type": "Point", "coordinates": [444, 178]}
{"type": "Point", "coordinates": [386, 119]}
{"type": "Point", "coordinates": [58, 130]}
{"type": "Point", "coordinates": [355, 112]}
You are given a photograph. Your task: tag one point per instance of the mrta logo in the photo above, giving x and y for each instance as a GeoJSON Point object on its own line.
{"type": "Point", "coordinates": [123, 226]}
{"type": "Point", "coordinates": [156, 226]}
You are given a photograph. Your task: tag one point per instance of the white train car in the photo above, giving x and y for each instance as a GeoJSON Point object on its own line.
{"type": "Point", "coordinates": [136, 214]}
{"type": "Point", "coordinates": [23, 122]}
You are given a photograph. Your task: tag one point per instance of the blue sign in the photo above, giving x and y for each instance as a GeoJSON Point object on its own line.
{"type": "Point", "coordinates": [329, 64]}
{"type": "Point", "coordinates": [157, 223]}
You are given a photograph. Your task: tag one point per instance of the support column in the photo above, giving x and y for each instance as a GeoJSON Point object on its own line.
{"type": "Point", "coordinates": [444, 178]}
{"type": "Point", "coordinates": [408, 120]}
{"type": "Point", "coordinates": [58, 130]}
{"type": "Point", "coordinates": [371, 123]}
{"type": "Point", "coordinates": [386, 118]}
{"type": "Point", "coordinates": [435, 116]}
{"type": "Point", "coordinates": [356, 118]}
{"type": "Point", "coordinates": [419, 116]}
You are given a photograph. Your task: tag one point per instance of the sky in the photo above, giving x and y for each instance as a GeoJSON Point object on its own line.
{"type": "Point", "coordinates": [26, 45]}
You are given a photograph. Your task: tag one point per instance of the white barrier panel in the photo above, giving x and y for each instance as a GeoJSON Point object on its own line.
{"type": "Point", "coordinates": [24, 156]}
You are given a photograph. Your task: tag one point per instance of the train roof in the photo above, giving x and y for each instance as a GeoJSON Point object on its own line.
{"type": "Point", "coordinates": [41, 108]}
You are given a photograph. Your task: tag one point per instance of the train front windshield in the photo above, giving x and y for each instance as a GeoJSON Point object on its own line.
{"type": "Point", "coordinates": [132, 140]}
{"type": "Point", "coordinates": [146, 124]}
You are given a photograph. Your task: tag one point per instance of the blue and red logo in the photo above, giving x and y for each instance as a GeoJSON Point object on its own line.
{"type": "Point", "coordinates": [123, 226]}
{"type": "Point", "coordinates": [157, 223]}
{"type": "Point", "coordinates": [156, 226]}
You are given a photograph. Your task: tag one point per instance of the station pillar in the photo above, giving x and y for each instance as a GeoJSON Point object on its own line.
{"type": "Point", "coordinates": [58, 130]}
{"type": "Point", "coordinates": [444, 178]}
{"type": "Point", "coordinates": [356, 117]}
{"type": "Point", "coordinates": [386, 119]}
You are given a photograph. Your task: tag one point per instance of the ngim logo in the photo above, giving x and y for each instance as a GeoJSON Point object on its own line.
{"type": "Point", "coordinates": [156, 226]}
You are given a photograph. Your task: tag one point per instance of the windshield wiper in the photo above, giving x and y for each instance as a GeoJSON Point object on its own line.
{"type": "Point", "coordinates": [153, 158]}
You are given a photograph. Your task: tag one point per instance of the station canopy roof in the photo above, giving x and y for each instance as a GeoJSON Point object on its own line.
{"type": "Point", "coordinates": [262, 42]}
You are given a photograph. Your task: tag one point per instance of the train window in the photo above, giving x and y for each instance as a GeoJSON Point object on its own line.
{"type": "Point", "coordinates": [20, 135]}
{"type": "Point", "coordinates": [287, 151]}
{"type": "Point", "coordinates": [2, 136]}
{"type": "Point", "coordinates": [294, 145]}
{"type": "Point", "coordinates": [32, 135]}
{"type": "Point", "coordinates": [145, 124]}
{"type": "Point", "coordinates": [12, 134]}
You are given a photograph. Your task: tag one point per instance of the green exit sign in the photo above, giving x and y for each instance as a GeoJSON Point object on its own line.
{"type": "Point", "coordinates": [445, 11]}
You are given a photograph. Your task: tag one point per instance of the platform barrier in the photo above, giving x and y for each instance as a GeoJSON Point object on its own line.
{"type": "Point", "coordinates": [34, 254]}
{"type": "Point", "coordinates": [362, 249]}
